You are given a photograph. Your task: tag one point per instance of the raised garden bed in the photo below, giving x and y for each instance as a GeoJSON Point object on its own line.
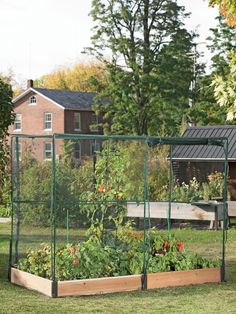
{"type": "Point", "coordinates": [114, 284]}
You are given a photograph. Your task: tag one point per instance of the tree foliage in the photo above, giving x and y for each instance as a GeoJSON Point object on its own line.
{"type": "Point", "coordinates": [206, 102]}
{"type": "Point", "coordinates": [221, 44]}
{"type": "Point", "coordinates": [6, 118]}
{"type": "Point", "coordinates": [225, 86]}
{"type": "Point", "coordinates": [88, 77]}
{"type": "Point", "coordinates": [146, 51]}
{"type": "Point", "coordinates": [225, 89]}
{"type": "Point", "coordinates": [227, 9]}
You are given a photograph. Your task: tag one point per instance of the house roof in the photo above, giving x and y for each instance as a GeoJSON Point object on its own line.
{"type": "Point", "coordinates": [205, 152]}
{"type": "Point", "coordinates": [69, 99]}
{"type": "Point", "coordinates": [64, 98]}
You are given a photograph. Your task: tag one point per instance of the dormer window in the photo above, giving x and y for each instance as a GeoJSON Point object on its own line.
{"type": "Point", "coordinates": [32, 100]}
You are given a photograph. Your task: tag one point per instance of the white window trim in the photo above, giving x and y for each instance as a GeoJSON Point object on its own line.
{"type": "Point", "coordinates": [44, 121]}
{"type": "Point", "coordinates": [46, 158]}
{"type": "Point", "coordinates": [76, 129]}
{"type": "Point", "coordinates": [32, 103]}
{"type": "Point", "coordinates": [16, 130]}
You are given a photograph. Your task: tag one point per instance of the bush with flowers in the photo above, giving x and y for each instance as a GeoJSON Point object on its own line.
{"type": "Point", "coordinates": [195, 190]}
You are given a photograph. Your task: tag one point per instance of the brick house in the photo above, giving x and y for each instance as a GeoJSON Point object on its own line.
{"type": "Point", "coordinates": [41, 111]}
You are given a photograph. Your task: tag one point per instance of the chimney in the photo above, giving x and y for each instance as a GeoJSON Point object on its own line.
{"type": "Point", "coordinates": [30, 83]}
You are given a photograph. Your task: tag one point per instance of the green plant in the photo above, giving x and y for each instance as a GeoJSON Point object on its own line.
{"type": "Point", "coordinates": [5, 201]}
{"type": "Point", "coordinates": [194, 190]}
{"type": "Point", "coordinates": [121, 253]}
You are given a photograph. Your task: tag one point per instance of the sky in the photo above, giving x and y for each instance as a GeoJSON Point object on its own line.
{"type": "Point", "coordinates": [39, 36]}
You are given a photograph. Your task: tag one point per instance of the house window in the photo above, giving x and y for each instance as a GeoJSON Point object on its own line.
{"type": "Point", "coordinates": [94, 147]}
{"type": "Point", "coordinates": [32, 100]}
{"type": "Point", "coordinates": [19, 150]}
{"type": "Point", "coordinates": [48, 150]}
{"type": "Point", "coordinates": [94, 126]}
{"type": "Point", "coordinates": [77, 150]}
{"type": "Point", "coordinates": [17, 122]}
{"type": "Point", "coordinates": [47, 121]}
{"type": "Point", "coordinates": [77, 121]}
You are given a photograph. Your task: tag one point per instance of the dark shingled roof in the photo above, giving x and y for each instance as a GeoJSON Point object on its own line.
{"type": "Point", "coordinates": [69, 99]}
{"type": "Point", "coordinates": [201, 152]}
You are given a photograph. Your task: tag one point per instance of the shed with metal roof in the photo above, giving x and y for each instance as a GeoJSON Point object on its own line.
{"type": "Point", "coordinates": [199, 161]}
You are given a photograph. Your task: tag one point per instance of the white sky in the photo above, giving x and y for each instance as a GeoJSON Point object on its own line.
{"type": "Point", "coordinates": [37, 36]}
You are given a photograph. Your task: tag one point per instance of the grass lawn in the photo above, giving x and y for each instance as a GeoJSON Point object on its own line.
{"type": "Point", "coordinates": [209, 298]}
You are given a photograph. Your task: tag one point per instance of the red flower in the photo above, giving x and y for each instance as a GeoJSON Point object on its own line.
{"type": "Point", "coordinates": [103, 188]}
{"type": "Point", "coordinates": [75, 261]}
{"type": "Point", "coordinates": [166, 245]}
{"type": "Point", "coordinates": [180, 246]}
{"type": "Point", "coordinates": [100, 189]}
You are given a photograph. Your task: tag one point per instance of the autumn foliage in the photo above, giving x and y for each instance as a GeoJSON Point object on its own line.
{"type": "Point", "coordinates": [85, 77]}
{"type": "Point", "coordinates": [228, 9]}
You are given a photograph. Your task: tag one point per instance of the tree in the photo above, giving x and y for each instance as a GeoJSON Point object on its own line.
{"type": "Point", "coordinates": [83, 77]}
{"type": "Point", "coordinates": [149, 67]}
{"type": "Point", "coordinates": [6, 118]}
{"type": "Point", "coordinates": [225, 89]}
{"type": "Point", "coordinates": [221, 44]}
{"type": "Point", "coordinates": [206, 103]}
{"type": "Point", "coordinates": [225, 86]}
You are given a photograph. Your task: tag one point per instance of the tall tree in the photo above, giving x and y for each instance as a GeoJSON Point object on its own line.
{"type": "Point", "coordinates": [149, 67]}
{"type": "Point", "coordinates": [6, 118]}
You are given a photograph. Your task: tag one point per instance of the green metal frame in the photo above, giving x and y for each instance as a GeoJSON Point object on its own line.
{"type": "Point", "coordinates": [150, 141]}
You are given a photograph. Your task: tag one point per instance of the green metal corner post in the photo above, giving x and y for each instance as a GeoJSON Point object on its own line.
{"type": "Point", "coordinates": [146, 241]}
{"type": "Point", "coordinates": [12, 213]}
{"type": "Point", "coordinates": [18, 207]}
{"type": "Point", "coordinates": [225, 210]}
{"type": "Point", "coordinates": [53, 220]}
{"type": "Point", "coordinates": [170, 195]}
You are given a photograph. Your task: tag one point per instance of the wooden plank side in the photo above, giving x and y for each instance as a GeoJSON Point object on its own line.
{"type": "Point", "coordinates": [99, 285]}
{"type": "Point", "coordinates": [232, 208]}
{"type": "Point", "coordinates": [184, 277]}
{"type": "Point", "coordinates": [178, 211]}
{"type": "Point", "coordinates": [31, 282]}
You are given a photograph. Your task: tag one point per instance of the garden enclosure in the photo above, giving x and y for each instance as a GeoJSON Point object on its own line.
{"type": "Point", "coordinates": [71, 211]}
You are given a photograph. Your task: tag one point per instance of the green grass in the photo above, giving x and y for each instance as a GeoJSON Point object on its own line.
{"type": "Point", "coordinates": [209, 298]}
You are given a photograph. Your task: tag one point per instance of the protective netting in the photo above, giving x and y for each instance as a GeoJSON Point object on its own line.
{"type": "Point", "coordinates": [98, 206]}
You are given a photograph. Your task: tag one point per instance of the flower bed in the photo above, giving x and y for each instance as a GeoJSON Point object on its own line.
{"type": "Point", "coordinates": [114, 262]}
